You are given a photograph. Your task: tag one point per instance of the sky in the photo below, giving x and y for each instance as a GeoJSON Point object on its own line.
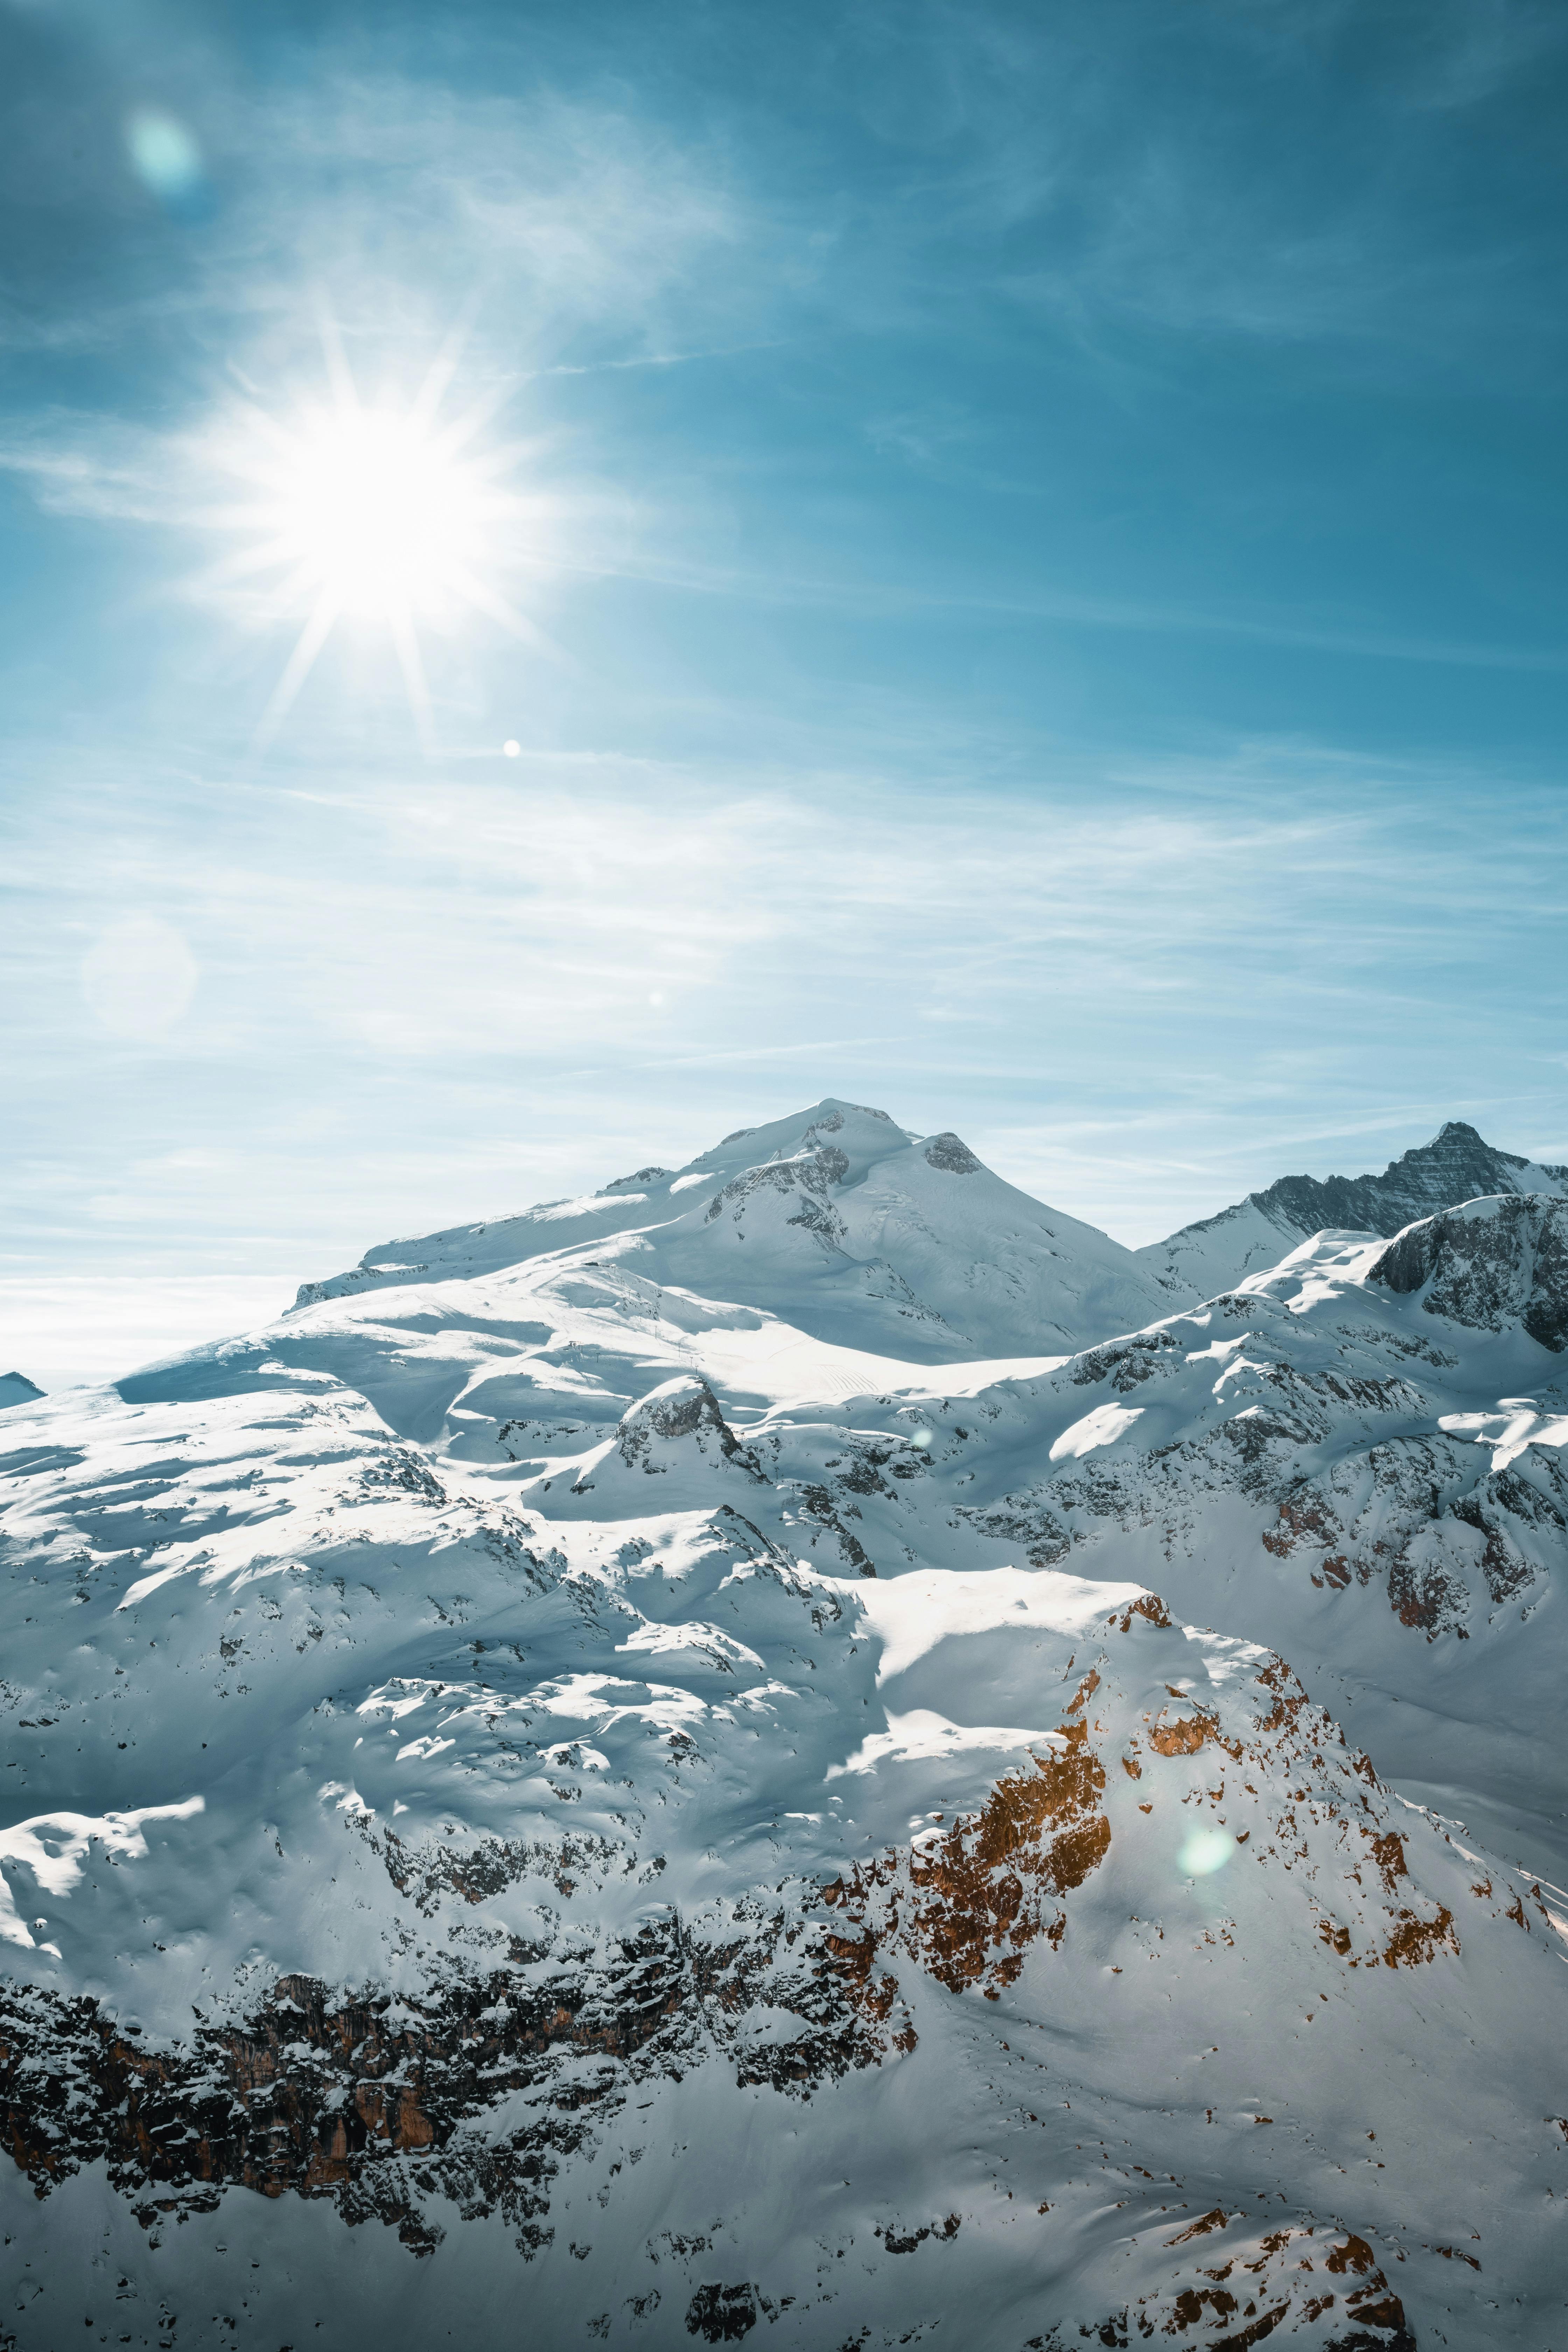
{"type": "Point", "coordinates": [1006, 565]}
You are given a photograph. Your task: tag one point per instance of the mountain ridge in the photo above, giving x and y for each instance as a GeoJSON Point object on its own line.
{"type": "Point", "coordinates": [534, 1779]}
{"type": "Point", "coordinates": [861, 1224]}
{"type": "Point", "coordinates": [1215, 1253]}
{"type": "Point", "coordinates": [1198, 1260]}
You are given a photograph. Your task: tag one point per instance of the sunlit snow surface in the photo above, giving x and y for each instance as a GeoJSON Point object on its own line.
{"type": "Point", "coordinates": [570, 1791]}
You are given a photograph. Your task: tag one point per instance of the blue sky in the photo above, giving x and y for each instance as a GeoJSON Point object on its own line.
{"type": "Point", "coordinates": [1033, 542]}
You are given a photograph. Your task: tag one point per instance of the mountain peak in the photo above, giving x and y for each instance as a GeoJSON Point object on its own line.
{"type": "Point", "coordinates": [831, 1108]}
{"type": "Point", "coordinates": [1454, 1130]}
{"type": "Point", "coordinates": [837, 1220]}
{"type": "Point", "coordinates": [1458, 1165]}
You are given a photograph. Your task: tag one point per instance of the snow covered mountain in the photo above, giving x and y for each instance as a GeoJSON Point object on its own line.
{"type": "Point", "coordinates": [1458, 1165]}
{"type": "Point", "coordinates": [589, 1780]}
{"type": "Point", "coordinates": [15, 1388]}
{"type": "Point", "coordinates": [865, 1232]}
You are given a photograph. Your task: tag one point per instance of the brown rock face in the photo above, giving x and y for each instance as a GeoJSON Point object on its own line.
{"type": "Point", "coordinates": [966, 1905]}
{"type": "Point", "coordinates": [1243, 2289]}
{"type": "Point", "coordinates": [359, 2099]}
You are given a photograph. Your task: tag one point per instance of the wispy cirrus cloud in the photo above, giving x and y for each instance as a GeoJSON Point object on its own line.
{"type": "Point", "coordinates": [581, 963]}
{"type": "Point", "coordinates": [108, 468]}
{"type": "Point", "coordinates": [404, 197]}
{"type": "Point", "coordinates": [1273, 175]}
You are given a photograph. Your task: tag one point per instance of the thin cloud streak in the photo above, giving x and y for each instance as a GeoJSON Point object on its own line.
{"type": "Point", "coordinates": [1173, 977]}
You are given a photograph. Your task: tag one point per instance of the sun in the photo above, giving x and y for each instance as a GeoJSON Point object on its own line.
{"type": "Point", "coordinates": [373, 514]}
{"type": "Point", "coordinates": [378, 515]}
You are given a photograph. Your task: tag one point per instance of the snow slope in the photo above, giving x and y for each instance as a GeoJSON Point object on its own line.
{"type": "Point", "coordinates": [541, 1794]}
{"type": "Point", "coordinates": [1458, 1165]}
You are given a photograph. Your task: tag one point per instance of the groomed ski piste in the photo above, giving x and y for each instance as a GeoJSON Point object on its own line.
{"type": "Point", "coordinates": [793, 1750]}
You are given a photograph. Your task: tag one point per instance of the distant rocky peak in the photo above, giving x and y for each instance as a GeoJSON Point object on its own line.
{"type": "Point", "coordinates": [825, 1118]}
{"type": "Point", "coordinates": [1458, 1145]}
{"type": "Point", "coordinates": [15, 1388]}
{"type": "Point", "coordinates": [1458, 1165]}
{"type": "Point", "coordinates": [1455, 1132]}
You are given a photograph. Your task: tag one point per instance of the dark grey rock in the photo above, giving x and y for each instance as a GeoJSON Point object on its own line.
{"type": "Point", "coordinates": [1488, 1264]}
{"type": "Point", "coordinates": [947, 1151]}
{"type": "Point", "coordinates": [1458, 1165]}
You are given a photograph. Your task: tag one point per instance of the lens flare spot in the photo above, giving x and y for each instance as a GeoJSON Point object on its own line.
{"type": "Point", "coordinates": [1205, 1852]}
{"type": "Point", "coordinates": [139, 978]}
{"type": "Point", "coordinates": [163, 155]}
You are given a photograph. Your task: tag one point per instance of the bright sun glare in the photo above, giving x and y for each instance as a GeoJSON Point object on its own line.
{"type": "Point", "coordinates": [375, 514]}
{"type": "Point", "coordinates": [382, 518]}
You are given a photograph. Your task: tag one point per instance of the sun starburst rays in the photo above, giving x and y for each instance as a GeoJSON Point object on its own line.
{"type": "Point", "coordinates": [375, 515]}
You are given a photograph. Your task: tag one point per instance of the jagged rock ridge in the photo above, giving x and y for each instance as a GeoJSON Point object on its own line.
{"type": "Point", "coordinates": [1458, 1165]}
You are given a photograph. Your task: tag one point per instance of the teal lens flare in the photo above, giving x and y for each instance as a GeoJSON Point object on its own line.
{"type": "Point", "coordinates": [1204, 1852]}
{"type": "Point", "coordinates": [163, 155]}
